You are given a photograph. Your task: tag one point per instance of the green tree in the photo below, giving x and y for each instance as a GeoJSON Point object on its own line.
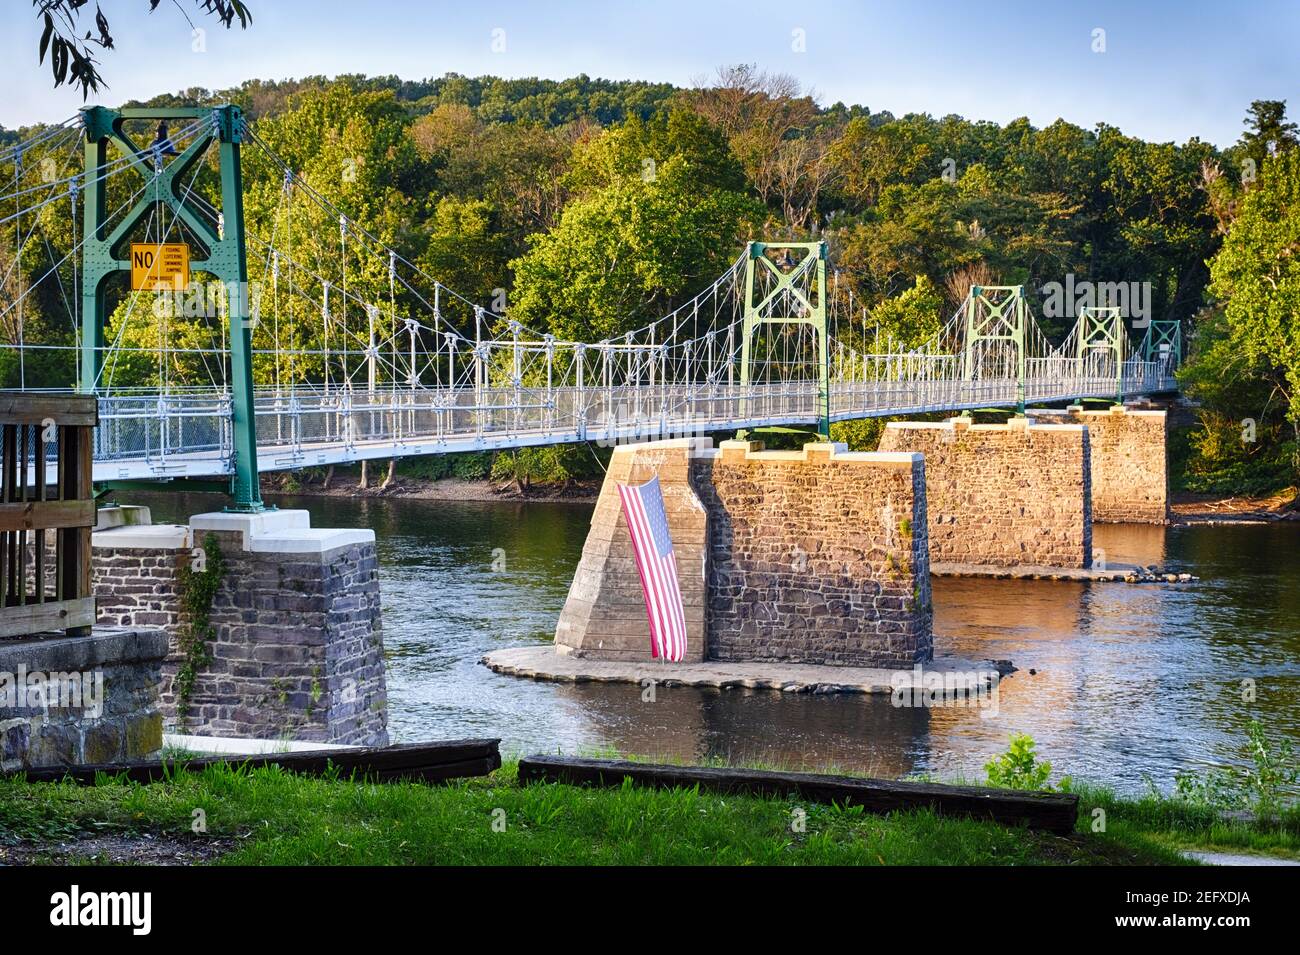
{"type": "Point", "coordinates": [518, 167]}
{"type": "Point", "coordinates": [1267, 130]}
{"type": "Point", "coordinates": [465, 249]}
{"type": "Point", "coordinates": [913, 230]}
{"type": "Point", "coordinates": [658, 213]}
{"type": "Point", "coordinates": [1239, 444]}
{"type": "Point", "coordinates": [1256, 277]}
{"type": "Point", "coordinates": [910, 318]}
{"type": "Point", "coordinates": [350, 146]}
{"type": "Point", "coordinates": [870, 158]}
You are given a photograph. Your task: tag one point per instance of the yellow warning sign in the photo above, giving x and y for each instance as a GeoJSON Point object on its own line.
{"type": "Point", "coordinates": [160, 268]}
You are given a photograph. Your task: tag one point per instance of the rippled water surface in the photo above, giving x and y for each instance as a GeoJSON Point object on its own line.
{"type": "Point", "coordinates": [1130, 681]}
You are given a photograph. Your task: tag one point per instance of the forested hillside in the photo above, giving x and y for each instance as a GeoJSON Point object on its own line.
{"type": "Point", "coordinates": [593, 205]}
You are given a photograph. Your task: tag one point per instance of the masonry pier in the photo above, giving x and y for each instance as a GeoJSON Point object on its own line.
{"type": "Point", "coordinates": [816, 556]}
{"type": "Point", "coordinates": [1013, 494]}
{"type": "Point", "coordinates": [1129, 461]}
{"type": "Point", "coordinates": [296, 649]}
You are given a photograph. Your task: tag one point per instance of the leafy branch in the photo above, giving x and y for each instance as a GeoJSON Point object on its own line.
{"type": "Point", "coordinates": [71, 52]}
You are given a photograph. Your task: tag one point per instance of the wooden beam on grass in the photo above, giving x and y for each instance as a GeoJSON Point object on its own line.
{"type": "Point", "coordinates": [423, 762]}
{"type": "Point", "coordinates": [1053, 812]}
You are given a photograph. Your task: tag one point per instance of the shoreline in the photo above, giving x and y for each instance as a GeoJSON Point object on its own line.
{"type": "Point", "coordinates": [446, 489]}
{"type": "Point", "coordinates": [1184, 508]}
{"type": "Point", "coordinates": [1188, 508]}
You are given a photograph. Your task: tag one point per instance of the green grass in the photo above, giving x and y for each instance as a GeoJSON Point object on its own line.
{"type": "Point", "coordinates": [1178, 825]}
{"type": "Point", "coordinates": [272, 817]}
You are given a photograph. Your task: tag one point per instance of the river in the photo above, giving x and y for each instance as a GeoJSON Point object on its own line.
{"type": "Point", "coordinates": [1128, 681]}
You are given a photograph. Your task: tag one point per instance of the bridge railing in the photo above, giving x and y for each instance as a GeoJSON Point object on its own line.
{"type": "Point", "coordinates": [310, 425]}
{"type": "Point", "coordinates": [156, 427]}
{"type": "Point", "coordinates": [293, 425]}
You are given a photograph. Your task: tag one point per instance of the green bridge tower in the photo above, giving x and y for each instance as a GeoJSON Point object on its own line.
{"type": "Point", "coordinates": [224, 248]}
{"type": "Point", "coordinates": [1101, 328]}
{"type": "Point", "coordinates": [996, 316]}
{"type": "Point", "coordinates": [791, 295]}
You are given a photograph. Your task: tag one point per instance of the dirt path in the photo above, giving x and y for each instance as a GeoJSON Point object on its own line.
{"type": "Point", "coordinates": [139, 848]}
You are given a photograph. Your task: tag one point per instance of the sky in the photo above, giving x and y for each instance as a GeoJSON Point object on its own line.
{"type": "Point", "coordinates": [1162, 70]}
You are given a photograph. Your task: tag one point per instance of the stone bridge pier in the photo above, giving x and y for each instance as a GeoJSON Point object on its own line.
{"type": "Point", "coordinates": [816, 556]}
{"type": "Point", "coordinates": [296, 649]}
{"type": "Point", "coordinates": [1013, 494]}
{"type": "Point", "coordinates": [1129, 458]}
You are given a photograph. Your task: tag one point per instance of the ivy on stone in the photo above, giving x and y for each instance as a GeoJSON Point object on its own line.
{"type": "Point", "coordinates": [198, 588]}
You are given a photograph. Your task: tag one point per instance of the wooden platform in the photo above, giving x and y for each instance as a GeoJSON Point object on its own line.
{"type": "Point", "coordinates": [423, 762]}
{"type": "Point", "coordinates": [1053, 812]}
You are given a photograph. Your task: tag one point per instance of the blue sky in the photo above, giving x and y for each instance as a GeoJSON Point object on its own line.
{"type": "Point", "coordinates": [1170, 70]}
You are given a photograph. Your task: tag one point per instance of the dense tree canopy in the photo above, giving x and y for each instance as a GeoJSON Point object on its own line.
{"type": "Point", "coordinates": [1249, 360]}
{"type": "Point", "coordinates": [659, 208]}
{"type": "Point", "coordinates": [593, 206]}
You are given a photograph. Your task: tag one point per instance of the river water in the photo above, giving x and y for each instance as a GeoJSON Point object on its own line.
{"type": "Point", "coordinates": [1129, 681]}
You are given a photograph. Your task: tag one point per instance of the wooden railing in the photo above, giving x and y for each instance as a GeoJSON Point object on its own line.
{"type": "Point", "coordinates": [47, 511]}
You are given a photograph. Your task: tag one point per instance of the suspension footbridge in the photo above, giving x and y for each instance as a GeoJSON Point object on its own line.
{"type": "Point", "coordinates": [289, 358]}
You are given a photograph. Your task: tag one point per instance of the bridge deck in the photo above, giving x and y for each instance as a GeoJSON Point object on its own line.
{"type": "Point", "coordinates": [160, 437]}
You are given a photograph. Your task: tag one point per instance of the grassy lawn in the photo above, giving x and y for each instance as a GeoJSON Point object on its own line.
{"type": "Point", "coordinates": [1180, 826]}
{"type": "Point", "coordinates": [270, 817]}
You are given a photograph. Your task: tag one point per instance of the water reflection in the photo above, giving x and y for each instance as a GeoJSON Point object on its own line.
{"type": "Point", "coordinates": [1128, 680]}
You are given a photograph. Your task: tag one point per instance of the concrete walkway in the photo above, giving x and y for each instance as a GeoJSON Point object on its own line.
{"type": "Point", "coordinates": [1236, 858]}
{"type": "Point", "coordinates": [543, 663]}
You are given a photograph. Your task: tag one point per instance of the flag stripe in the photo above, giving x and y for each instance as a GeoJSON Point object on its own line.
{"type": "Point", "coordinates": [645, 568]}
{"type": "Point", "coordinates": [650, 589]}
{"type": "Point", "coordinates": [679, 635]}
{"type": "Point", "coordinates": [626, 498]}
{"type": "Point", "coordinates": [663, 609]}
{"type": "Point", "coordinates": [656, 564]}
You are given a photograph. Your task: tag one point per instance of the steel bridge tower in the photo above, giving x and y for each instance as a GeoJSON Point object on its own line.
{"type": "Point", "coordinates": [1101, 328]}
{"type": "Point", "coordinates": [996, 314]}
{"type": "Point", "coordinates": [1163, 340]}
{"type": "Point", "coordinates": [224, 247]}
{"type": "Point", "coordinates": [769, 297]}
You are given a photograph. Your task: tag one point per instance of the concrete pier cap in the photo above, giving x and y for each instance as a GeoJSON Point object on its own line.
{"type": "Point", "coordinates": [279, 532]}
{"type": "Point", "coordinates": [265, 532]}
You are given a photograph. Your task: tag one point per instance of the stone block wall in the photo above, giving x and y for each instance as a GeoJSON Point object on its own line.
{"type": "Point", "coordinates": [1130, 468]}
{"type": "Point", "coordinates": [1005, 495]}
{"type": "Point", "coordinates": [814, 556]}
{"type": "Point", "coordinates": [604, 616]}
{"type": "Point", "coordinates": [68, 701]}
{"type": "Point", "coordinates": [298, 648]}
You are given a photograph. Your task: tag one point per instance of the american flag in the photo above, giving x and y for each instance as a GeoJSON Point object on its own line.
{"type": "Point", "coordinates": [643, 509]}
